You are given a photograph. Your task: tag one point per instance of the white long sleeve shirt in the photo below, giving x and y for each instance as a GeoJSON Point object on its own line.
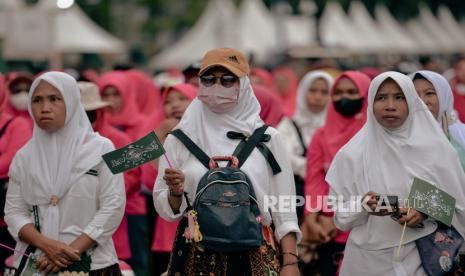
{"type": "Point", "coordinates": [256, 167]}
{"type": "Point", "coordinates": [293, 147]}
{"type": "Point", "coordinates": [94, 206]}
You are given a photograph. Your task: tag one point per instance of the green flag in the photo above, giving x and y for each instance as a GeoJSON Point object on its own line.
{"type": "Point", "coordinates": [133, 155]}
{"type": "Point", "coordinates": [432, 201]}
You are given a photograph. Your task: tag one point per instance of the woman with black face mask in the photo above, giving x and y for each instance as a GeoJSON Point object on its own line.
{"type": "Point", "coordinates": [346, 115]}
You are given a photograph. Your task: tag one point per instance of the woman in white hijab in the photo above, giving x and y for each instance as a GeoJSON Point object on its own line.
{"type": "Point", "coordinates": [217, 110]}
{"type": "Point", "coordinates": [436, 93]}
{"type": "Point", "coordinates": [312, 102]}
{"type": "Point", "coordinates": [400, 141]}
{"type": "Point", "coordinates": [78, 204]}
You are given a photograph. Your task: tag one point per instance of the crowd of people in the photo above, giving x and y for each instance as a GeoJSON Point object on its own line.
{"type": "Point", "coordinates": [321, 133]}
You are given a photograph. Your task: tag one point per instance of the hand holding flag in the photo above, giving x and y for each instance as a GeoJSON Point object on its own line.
{"type": "Point", "coordinates": [135, 154]}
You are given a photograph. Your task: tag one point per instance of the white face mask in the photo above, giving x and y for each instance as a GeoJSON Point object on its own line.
{"type": "Point", "coordinates": [20, 100]}
{"type": "Point", "coordinates": [218, 98]}
{"type": "Point", "coordinates": [460, 88]}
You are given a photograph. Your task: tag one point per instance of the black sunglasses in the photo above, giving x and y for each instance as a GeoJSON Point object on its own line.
{"type": "Point", "coordinates": [225, 80]}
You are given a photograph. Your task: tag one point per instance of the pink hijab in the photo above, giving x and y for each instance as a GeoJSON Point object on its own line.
{"type": "Point", "coordinates": [10, 79]}
{"type": "Point", "coordinates": [338, 130]}
{"type": "Point", "coordinates": [188, 90]}
{"type": "Point", "coordinates": [264, 76]}
{"type": "Point", "coordinates": [147, 94]}
{"type": "Point", "coordinates": [3, 96]}
{"type": "Point", "coordinates": [287, 100]}
{"type": "Point", "coordinates": [129, 118]}
{"type": "Point", "coordinates": [271, 111]}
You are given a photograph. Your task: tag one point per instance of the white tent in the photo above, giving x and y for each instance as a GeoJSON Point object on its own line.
{"type": "Point", "coordinates": [336, 30]}
{"type": "Point", "coordinates": [43, 31]}
{"type": "Point", "coordinates": [299, 30]}
{"type": "Point", "coordinates": [77, 33]}
{"type": "Point", "coordinates": [462, 23]}
{"type": "Point", "coordinates": [264, 33]}
{"type": "Point", "coordinates": [437, 33]}
{"type": "Point", "coordinates": [426, 43]}
{"type": "Point", "coordinates": [369, 29]}
{"type": "Point", "coordinates": [448, 23]}
{"type": "Point", "coordinates": [257, 30]}
{"type": "Point", "coordinates": [393, 31]}
{"type": "Point", "coordinates": [252, 28]}
{"type": "Point", "coordinates": [214, 29]}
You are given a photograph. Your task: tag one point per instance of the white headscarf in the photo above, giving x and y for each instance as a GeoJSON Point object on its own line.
{"type": "Point", "coordinates": [446, 104]}
{"type": "Point", "coordinates": [50, 163]}
{"type": "Point", "coordinates": [386, 161]}
{"type": "Point", "coordinates": [208, 129]}
{"type": "Point", "coordinates": [308, 121]}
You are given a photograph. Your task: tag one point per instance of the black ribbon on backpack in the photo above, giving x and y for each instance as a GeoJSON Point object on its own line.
{"type": "Point", "coordinates": [264, 150]}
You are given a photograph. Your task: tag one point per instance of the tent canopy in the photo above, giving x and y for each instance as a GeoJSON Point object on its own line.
{"type": "Point", "coordinates": [42, 30]}
{"type": "Point", "coordinates": [214, 29]}
{"type": "Point", "coordinates": [252, 28]}
{"type": "Point", "coordinates": [336, 30]}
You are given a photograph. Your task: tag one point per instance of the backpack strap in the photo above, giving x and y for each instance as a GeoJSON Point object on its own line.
{"type": "Point", "coordinates": [247, 145]}
{"type": "Point", "coordinates": [301, 138]}
{"type": "Point", "coordinates": [192, 147]}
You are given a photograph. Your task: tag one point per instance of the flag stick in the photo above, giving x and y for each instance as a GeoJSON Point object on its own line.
{"type": "Point", "coordinates": [11, 248]}
{"type": "Point", "coordinates": [169, 164]}
{"type": "Point", "coordinates": [402, 235]}
{"type": "Point", "coordinates": [167, 160]}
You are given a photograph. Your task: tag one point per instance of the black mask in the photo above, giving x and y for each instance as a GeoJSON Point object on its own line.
{"type": "Point", "coordinates": [92, 115]}
{"type": "Point", "coordinates": [347, 107]}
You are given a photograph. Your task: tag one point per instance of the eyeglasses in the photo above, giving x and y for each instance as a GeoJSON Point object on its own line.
{"type": "Point", "coordinates": [225, 80]}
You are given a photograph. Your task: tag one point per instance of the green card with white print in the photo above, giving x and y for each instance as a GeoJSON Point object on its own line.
{"type": "Point", "coordinates": [135, 154]}
{"type": "Point", "coordinates": [430, 200]}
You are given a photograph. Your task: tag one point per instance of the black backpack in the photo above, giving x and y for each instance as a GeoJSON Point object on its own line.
{"type": "Point", "coordinates": [225, 201]}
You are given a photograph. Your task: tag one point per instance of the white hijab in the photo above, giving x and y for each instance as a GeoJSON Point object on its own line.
{"type": "Point", "coordinates": [208, 129]}
{"type": "Point", "coordinates": [308, 121]}
{"type": "Point", "coordinates": [50, 163]}
{"type": "Point", "coordinates": [386, 162]}
{"type": "Point", "coordinates": [446, 104]}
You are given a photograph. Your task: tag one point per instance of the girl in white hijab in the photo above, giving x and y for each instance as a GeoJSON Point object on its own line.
{"type": "Point", "coordinates": [206, 121]}
{"type": "Point", "coordinates": [312, 101]}
{"type": "Point", "coordinates": [61, 171]}
{"type": "Point", "coordinates": [436, 93]}
{"type": "Point", "coordinates": [400, 141]}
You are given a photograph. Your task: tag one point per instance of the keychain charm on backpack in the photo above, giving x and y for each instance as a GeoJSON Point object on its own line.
{"type": "Point", "coordinates": [192, 232]}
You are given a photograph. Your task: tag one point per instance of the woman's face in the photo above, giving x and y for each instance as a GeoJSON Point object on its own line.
{"type": "Point", "coordinates": [390, 106]}
{"type": "Point", "coordinates": [175, 104]}
{"type": "Point", "coordinates": [428, 95]}
{"type": "Point", "coordinates": [345, 88]}
{"type": "Point", "coordinates": [317, 96]}
{"type": "Point", "coordinates": [112, 95]}
{"type": "Point", "coordinates": [48, 107]}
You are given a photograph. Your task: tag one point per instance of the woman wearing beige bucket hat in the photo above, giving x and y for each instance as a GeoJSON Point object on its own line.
{"type": "Point", "coordinates": [224, 115]}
